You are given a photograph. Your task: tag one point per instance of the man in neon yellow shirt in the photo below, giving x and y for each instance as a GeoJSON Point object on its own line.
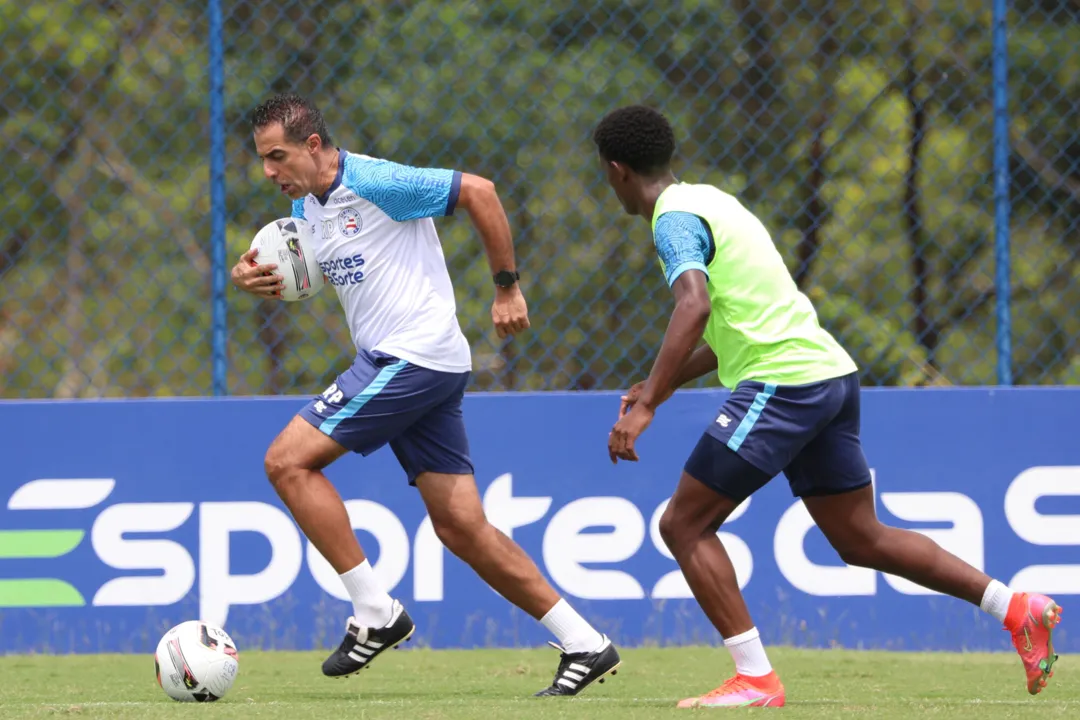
{"type": "Point", "coordinates": [793, 408]}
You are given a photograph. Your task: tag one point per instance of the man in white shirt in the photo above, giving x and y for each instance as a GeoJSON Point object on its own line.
{"type": "Point", "coordinates": [377, 244]}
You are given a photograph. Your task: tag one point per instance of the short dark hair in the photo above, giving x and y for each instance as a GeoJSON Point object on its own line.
{"type": "Point", "coordinates": [298, 115]}
{"type": "Point", "coordinates": [636, 136]}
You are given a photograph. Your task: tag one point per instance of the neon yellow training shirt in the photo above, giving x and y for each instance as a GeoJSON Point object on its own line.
{"type": "Point", "coordinates": [761, 326]}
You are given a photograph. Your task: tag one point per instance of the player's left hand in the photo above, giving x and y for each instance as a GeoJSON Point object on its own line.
{"type": "Point", "coordinates": [625, 433]}
{"type": "Point", "coordinates": [509, 313]}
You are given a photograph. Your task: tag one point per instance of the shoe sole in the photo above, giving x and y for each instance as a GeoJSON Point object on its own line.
{"type": "Point", "coordinates": [599, 679]}
{"type": "Point", "coordinates": [772, 701]}
{"type": "Point", "coordinates": [1051, 617]}
{"type": "Point", "coordinates": [614, 670]}
{"type": "Point", "coordinates": [366, 665]}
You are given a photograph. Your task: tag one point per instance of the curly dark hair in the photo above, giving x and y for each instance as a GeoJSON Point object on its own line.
{"type": "Point", "coordinates": [298, 115]}
{"type": "Point", "coordinates": [636, 136]}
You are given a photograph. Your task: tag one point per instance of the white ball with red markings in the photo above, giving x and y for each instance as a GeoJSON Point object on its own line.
{"type": "Point", "coordinates": [196, 662]}
{"type": "Point", "coordinates": [290, 243]}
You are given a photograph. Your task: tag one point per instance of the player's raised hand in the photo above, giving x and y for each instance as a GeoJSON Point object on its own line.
{"type": "Point", "coordinates": [509, 313]}
{"type": "Point", "coordinates": [256, 279]}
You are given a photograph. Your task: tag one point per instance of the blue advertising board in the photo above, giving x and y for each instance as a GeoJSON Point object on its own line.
{"type": "Point", "coordinates": [122, 518]}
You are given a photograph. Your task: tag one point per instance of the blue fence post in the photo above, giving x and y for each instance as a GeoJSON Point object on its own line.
{"type": "Point", "coordinates": [217, 196]}
{"type": "Point", "coordinates": [1001, 192]}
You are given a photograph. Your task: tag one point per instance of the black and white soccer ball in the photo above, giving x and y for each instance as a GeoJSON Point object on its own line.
{"type": "Point", "coordinates": [289, 242]}
{"type": "Point", "coordinates": [196, 662]}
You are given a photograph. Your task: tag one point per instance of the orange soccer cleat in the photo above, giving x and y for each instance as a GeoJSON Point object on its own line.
{"type": "Point", "coordinates": [742, 691]}
{"type": "Point", "coordinates": [1031, 620]}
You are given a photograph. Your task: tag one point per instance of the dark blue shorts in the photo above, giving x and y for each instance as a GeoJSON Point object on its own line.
{"type": "Point", "coordinates": [382, 399]}
{"type": "Point", "coordinates": [808, 432]}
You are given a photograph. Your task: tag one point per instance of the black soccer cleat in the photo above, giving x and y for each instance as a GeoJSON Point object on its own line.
{"type": "Point", "coordinates": [363, 644]}
{"type": "Point", "coordinates": [578, 670]}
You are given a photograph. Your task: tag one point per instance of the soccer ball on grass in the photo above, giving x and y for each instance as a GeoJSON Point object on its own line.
{"type": "Point", "coordinates": [196, 662]}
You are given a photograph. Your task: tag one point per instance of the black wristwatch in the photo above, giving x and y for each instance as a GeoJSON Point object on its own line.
{"type": "Point", "coordinates": [506, 278]}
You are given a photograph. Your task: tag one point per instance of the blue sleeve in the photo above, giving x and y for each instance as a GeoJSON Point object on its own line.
{"type": "Point", "coordinates": [683, 243]}
{"type": "Point", "coordinates": [400, 191]}
{"type": "Point", "coordinates": [298, 208]}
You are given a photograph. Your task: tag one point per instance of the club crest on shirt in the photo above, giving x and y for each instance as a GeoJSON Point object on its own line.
{"type": "Point", "coordinates": [349, 222]}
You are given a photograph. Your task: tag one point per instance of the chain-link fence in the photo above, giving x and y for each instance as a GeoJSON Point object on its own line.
{"type": "Point", "coordinates": [863, 134]}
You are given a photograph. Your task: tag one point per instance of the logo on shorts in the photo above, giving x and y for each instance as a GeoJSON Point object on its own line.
{"type": "Point", "coordinates": [349, 222]}
{"type": "Point", "coordinates": [333, 394]}
{"type": "Point", "coordinates": [724, 420]}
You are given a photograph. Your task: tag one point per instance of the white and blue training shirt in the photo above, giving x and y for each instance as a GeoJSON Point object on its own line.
{"type": "Point", "coordinates": [376, 242]}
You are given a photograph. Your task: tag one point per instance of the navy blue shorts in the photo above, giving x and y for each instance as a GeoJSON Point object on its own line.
{"type": "Point", "coordinates": [382, 399]}
{"type": "Point", "coordinates": [808, 432]}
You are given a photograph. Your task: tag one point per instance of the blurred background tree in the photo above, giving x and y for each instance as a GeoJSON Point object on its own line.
{"type": "Point", "coordinates": [860, 134]}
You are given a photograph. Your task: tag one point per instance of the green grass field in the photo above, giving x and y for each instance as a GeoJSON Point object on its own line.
{"type": "Point", "coordinates": [422, 684]}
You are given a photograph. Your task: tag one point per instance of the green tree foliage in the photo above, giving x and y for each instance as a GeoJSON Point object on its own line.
{"type": "Point", "coordinates": [860, 133]}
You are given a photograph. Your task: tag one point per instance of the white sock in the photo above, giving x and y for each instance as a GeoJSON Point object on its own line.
{"type": "Point", "coordinates": [573, 632]}
{"type": "Point", "coordinates": [996, 599]}
{"type": "Point", "coordinates": [372, 607]}
{"type": "Point", "coordinates": [749, 654]}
